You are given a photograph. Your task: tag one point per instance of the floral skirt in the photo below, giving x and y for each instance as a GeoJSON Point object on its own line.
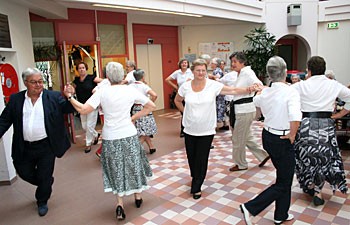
{"type": "Point", "coordinates": [318, 157]}
{"type": "Point", "coordinates": [146, 125]}
{"type": "Point", "coordinates": [125, 166]}
{"type": "Point", "coordinates": [220, 108]}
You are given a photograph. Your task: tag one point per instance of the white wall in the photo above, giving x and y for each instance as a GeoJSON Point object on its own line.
{"type": "Point", "coordinates": [20, 56]}
{"type": "Point", "coordinates": [192, 35]}
{"type": "Point", "coordinates": [334, 47]}
{"type": "Point", "coordinates": [276, 22]}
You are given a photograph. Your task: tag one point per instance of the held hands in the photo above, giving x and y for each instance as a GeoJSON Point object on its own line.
{"type": "Point", "coordinates": [68, 90]}
{"type": "Point", "coordinates": [255, 88]}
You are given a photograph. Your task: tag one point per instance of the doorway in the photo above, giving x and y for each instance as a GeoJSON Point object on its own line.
{"type": "Point", "coordinates": [72, 55]}
{"type": "Point", "coordinates": [149, 58]}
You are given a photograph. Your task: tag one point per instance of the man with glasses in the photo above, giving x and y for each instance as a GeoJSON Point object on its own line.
{"type": "Point", "coordinates": [39, 133]}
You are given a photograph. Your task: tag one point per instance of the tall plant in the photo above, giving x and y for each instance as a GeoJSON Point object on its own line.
{"type": "Point", "coordinates": [261, 47]}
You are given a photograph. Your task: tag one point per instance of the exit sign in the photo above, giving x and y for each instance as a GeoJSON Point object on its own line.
{"type": "Point", "coordinates": [334, 25]}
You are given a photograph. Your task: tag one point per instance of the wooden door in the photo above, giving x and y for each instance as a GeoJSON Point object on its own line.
{"type": "Point", "coordinates": [149, 58]}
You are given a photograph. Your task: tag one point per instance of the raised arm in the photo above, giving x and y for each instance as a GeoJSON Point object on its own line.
{"type": "Point", "coordinates": [226, 90]}
{"type": "Point", "coordinates": [81, 108]}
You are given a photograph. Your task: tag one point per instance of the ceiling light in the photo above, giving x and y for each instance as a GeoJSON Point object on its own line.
{"type": "Point", "coordinates": [146, 10]}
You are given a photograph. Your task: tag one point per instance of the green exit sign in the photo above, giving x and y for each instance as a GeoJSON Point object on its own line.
{"type": "Point", "coordinates": [334, 25]}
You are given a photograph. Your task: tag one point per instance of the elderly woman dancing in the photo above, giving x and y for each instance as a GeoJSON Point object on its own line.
{"type": "Point", "coordinates": [318, 157]}
{"type": "Point", "coordinates": [125, 166]}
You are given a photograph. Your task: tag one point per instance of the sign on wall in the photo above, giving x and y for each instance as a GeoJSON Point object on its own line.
{"type": "Point", "coordinates": [221, 50]}
{"type": "Point", "coordinates": [5, 39]}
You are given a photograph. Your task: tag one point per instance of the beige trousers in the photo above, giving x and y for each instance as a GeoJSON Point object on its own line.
{"type": "Point", "coordinates": [242, 137]}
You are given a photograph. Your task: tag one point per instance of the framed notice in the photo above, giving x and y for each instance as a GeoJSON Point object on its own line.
{"type": "Point", "coordinates": [5, 39]}
{"type": "Point", "coordinates": [220, 50]}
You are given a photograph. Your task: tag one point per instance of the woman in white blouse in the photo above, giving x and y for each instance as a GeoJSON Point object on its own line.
{"type": "Point", "coordinates": [181, 75]}
{"type": "Point", "coordinates": [199, 119]}
{"type": "Point", "coordinates": [125, 166]}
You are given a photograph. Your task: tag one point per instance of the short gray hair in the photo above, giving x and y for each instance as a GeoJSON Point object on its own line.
{"type": "Point", "coordinates": [131, 64]}
{"type": "Point", "coordinates": [139, 74]}
{"type": "Point", "coordinates": [29, 72]}
{"type": "Point", "coordinates": [114, 72]}
{"type": "Point", "coordinates": [295, 75]}
{"type": "Point", "coordinates": [206, 57]}
{"type": "Point", "coordinates": [276, 68]}
{"type": "Point", "coordinates": [330, 74]}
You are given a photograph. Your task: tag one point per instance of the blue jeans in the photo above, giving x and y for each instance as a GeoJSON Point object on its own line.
{"type": "Point", "coordinates": [283, 159]}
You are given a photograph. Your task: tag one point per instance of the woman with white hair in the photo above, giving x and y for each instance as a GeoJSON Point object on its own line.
{"type": "Point", "coordinates": [125, 166]}
{"type": "Point", "coordinates": [280, 105]}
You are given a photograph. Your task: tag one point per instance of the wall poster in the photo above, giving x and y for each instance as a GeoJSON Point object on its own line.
{"type": "Point", "coordinates": [221, 50]}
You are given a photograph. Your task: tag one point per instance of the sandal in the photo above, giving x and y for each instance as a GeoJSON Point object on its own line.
{"type": "Point", "coordinates": [87, 149]}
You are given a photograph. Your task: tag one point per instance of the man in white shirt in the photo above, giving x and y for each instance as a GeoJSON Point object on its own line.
{"type": "Point", "coordinates": [39, 133]}
{"type": "Point", "coordinates": [244, 112]}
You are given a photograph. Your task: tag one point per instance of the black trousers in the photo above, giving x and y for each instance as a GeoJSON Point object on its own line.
{"type": "Point", "coordinates": [182, 114]}
{"type": "Point", "coordinates": [197, 150]}
{"type": "Point", "coordinates": [36, 167]}
{"type": "Point", "coordinates": [283, 159]}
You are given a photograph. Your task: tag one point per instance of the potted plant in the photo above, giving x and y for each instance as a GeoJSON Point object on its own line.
{"type": "Point", "coordinates": [261, 47]}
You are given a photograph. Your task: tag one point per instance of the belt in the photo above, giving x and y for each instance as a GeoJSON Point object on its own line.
{"type": "Point", "coordinates": [36, 142]}
{"type": "Point", "coordinates": [317, 114]}
{"type": "Point", "coordinates": [232, 108]}
{"type": "Point", "coordinates": [276, 131]}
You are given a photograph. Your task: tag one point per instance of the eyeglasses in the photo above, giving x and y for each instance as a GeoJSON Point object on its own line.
{"type": "Point", "coordinates": [34, 82]}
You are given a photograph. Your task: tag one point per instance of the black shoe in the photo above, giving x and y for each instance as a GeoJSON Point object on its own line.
{"type": "Point", "coordinates": [197, 196]}
{"type": "Point", "coordinates": [96, 139]}
{"type": "Point", "coordinates": [317, 201]}
{"type": "Point", "coordinates": [152, 150]}
{"type": "Point", "coordinates": [138, 202]}
{"type": "Point", "coordinates": [264, 161]}
{"type": "Point", "coordinates": [87, 149]}
{"type": "Point", "coordinates": [119, 213]}
{"type": "Point", "coordinates": [42, 210]}
{"type": "Point", "coordinates": [224, 128]}
{"type": "Point", "coordinates": [310, 192]}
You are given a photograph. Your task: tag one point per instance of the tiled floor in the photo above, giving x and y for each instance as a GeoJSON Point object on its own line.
{"type": "Point", "coordinates": [78, 197]}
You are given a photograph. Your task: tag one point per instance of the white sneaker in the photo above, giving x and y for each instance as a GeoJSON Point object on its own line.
{"type": "Point", "coordinates": [246, 215]}
{"type": "Point", "coordinates": [290, 217]}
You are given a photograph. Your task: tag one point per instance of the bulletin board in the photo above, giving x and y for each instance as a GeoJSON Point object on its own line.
{"type": "Point", "coordinates": [221, 50]}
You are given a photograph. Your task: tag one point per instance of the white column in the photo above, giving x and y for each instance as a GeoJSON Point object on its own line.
{"type": "Point", "coordinates": [7, 170]}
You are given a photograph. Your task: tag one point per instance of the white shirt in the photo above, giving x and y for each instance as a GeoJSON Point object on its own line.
{"type": "Point", "coordinates": [318, 93]}
{"type": "Point", "coordinates": [245, 78]}
{"type": "Point", "coordinates": [142, 88]}
{"type": "Point", "coordinates": [199, 117]}
{"type": "Point", "coordinates": [182, 77]}
{"type": "Point", "coordinates": [116, 101]}
{"type": "Point", "coordinates": [130, 77]}
{"type": "Point", "coordinates": [280, 104]}
{"type": "Point", "coordinates": [33, 119]}
{"type": "Point", "coordinates": [229, 79]}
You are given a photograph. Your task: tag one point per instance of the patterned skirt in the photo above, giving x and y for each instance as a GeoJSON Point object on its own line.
{"type": "Point", "coordinates": [146, 125]}
{"type": "Point", "coordinates": [318, 157]}
{"type": "Point", "coordinates": [125, 166]}
{"type": "Point", "coordinates": [220, 108]}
